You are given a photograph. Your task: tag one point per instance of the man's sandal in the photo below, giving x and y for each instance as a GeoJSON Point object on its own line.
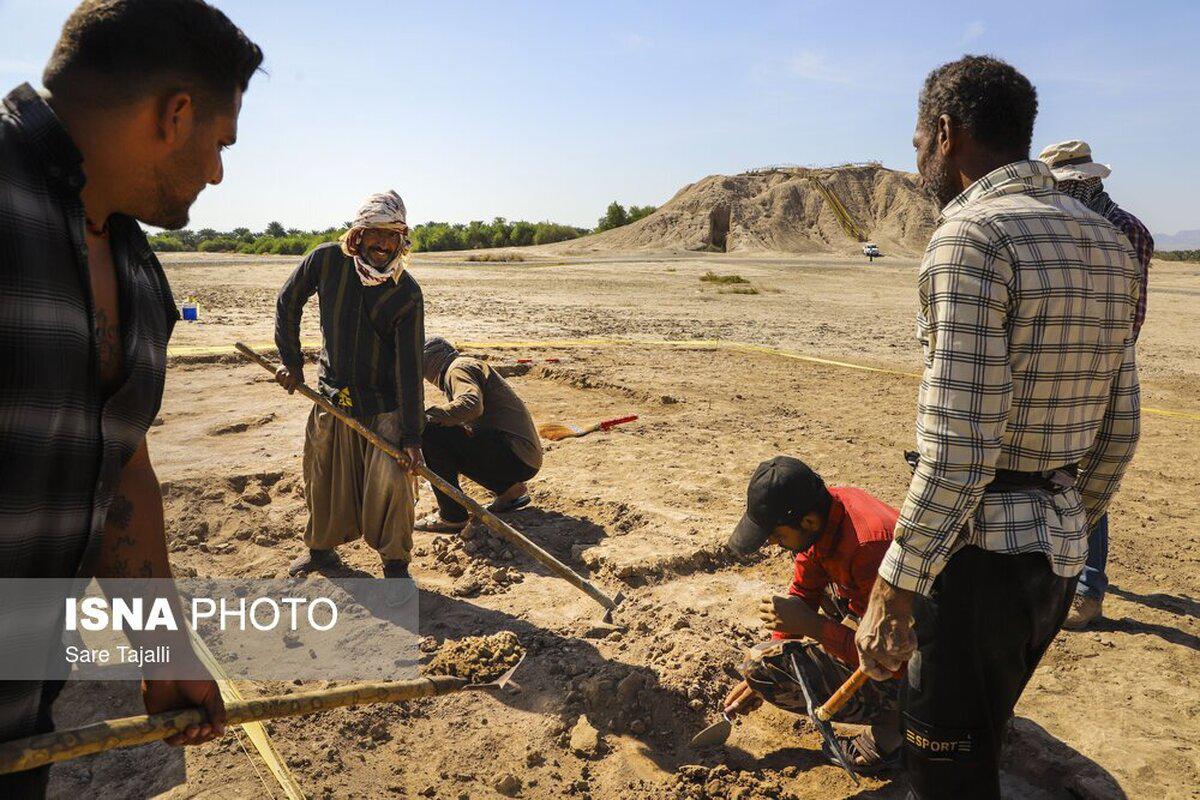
{"type": "Point", "coordinates": [501, 506]}
{"type": "Point", "coordinates": [864, 755]}
{"type": "Point", "coordinates": [433, 523]}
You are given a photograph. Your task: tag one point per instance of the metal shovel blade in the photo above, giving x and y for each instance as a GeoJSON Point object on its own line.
{"type": "Point", "coordinates": [823, 727]}
{"type": "Point", "coordinates": [619, 598]}
{"type": "Point", "coordinates": [500, 682]}
{"type": "Point", "coordinates": [717, 733]}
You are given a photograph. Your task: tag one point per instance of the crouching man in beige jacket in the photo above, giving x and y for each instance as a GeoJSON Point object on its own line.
{"type": "Point", "coordinates": [483, 431]}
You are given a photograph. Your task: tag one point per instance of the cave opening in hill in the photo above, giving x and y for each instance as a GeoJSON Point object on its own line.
{"type": "Point", "coordinates": [718, 228]}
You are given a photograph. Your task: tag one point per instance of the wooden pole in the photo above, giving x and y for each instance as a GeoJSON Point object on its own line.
{"type": "Point", "coordinates": [49, 748]}
{"type": "Point", "coordinates": [493, 523]}
{"type": "Point", "coordinates": [842, 695]}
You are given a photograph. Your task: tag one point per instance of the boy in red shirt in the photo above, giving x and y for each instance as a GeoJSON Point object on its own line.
{"type": "Point", "coordinates": [839, 536]}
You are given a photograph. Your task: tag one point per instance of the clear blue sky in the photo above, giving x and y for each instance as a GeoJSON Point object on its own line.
{"type": "Point", "coordinates": [551, 110]}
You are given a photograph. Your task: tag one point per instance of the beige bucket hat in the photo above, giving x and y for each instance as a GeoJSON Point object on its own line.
{"type": "Point", "coordinates": [1072, 161]}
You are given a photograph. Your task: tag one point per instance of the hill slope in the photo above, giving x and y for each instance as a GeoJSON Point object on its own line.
{"type": "Point", "coordinates": [784, 210]}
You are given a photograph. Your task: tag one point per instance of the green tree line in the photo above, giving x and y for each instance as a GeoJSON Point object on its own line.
{"type": "Point", "coordinates": [1177, 255]}
{"type": "Point", "coordinates": [427, 237]}
{"type": "Point", "coordinates": [615, 216]}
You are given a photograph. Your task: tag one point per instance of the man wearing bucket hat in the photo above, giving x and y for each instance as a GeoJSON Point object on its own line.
{"type": "Point", "coordinates": [373, 330]}
{"type": "Point", "coordinates": [838, 536]}
{"type": "Point", "coordinates": [1081, 178]}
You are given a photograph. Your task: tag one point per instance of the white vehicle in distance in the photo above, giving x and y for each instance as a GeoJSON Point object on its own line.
{"type": "Point", "coordinates": [871, 250]}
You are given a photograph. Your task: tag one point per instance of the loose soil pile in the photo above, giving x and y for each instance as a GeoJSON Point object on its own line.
{"type": "Point", "coordinates": [479, 659]}
{"type": "Point", "coordinates": [783, 210]}
{"type": "Point", "coordinates": [480, 562]}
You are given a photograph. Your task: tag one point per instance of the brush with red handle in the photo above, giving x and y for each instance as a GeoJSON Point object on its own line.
{"type": "Point", "coordinates": [559, 432]}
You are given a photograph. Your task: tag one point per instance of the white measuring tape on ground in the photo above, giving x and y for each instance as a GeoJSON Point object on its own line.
{"type": "Point", "coordinates": [197, 351]}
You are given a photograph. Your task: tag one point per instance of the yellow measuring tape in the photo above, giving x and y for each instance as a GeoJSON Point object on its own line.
{"type": "Point", "coordinates": [256, 731]}
{"type": "Point", "coordinates": [197, 351]}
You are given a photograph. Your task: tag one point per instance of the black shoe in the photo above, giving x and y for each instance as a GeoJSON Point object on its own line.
{"type": "Point", "coordinates": [314, 561]}
{"type": "Point", "coordinates": [396, 569]}
{"type": "Point", "coordinates": [404, 589]}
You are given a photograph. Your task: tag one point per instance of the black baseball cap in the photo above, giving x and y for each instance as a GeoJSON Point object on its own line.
{"type": "Point", "coordinates": [782, 490]}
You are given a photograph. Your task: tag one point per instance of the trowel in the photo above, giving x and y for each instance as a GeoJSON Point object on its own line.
{"type": "Point", "coordinates": [714, 734]}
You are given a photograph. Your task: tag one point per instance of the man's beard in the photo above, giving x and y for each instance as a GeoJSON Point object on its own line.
{"type": "Point", "coordinates": [379, 260]}
{"type": "Point", "coordinates": [170, 204]}
{"type": "Point", "coordinates": [168, 215]}
{"type": "Point", "coordinates": [938, 180]}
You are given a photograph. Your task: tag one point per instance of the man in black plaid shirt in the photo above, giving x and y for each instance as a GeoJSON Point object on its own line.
{"type": "Point", "coordinates": [1027, 417]}
{"type": "Point", "coordinates": [141, 97]}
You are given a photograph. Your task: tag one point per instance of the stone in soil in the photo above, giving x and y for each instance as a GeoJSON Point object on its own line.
{"type": "Point", "coordinates": [471, 558]}
{"type": "Point", "coordinates": [585, 739]}
{"type": "Point", "coordinates": [508, 784]}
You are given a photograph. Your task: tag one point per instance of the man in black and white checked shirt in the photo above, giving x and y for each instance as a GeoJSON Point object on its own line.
{"type": "Point", "coordinates": [1027, 417]}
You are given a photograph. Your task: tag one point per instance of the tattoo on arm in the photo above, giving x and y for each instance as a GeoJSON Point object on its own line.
{"type": "Point", "coordinates": [120, 517]}
{"type": "Point", "coordinates": [120, 514]}
{"type": "Point", "coordinates": [108, 342]}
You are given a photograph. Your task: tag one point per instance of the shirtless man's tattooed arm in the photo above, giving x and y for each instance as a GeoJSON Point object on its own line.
{"type": "Point", "coordinates": [135, 546]}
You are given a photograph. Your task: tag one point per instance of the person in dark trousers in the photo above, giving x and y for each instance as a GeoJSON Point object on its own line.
{"type": "Point", "coordinates": [837, 535]}
{"type": "Point", "coordinates": [482, 430]}
{"type": "Point", "coordinates": [372, 329]}
{"type": "Point", "coordinates": [1081, 178]}
{"type": "Point", "coordinates": [1027, 418]}
{"type": "Point", "coordinates": [141, 98]}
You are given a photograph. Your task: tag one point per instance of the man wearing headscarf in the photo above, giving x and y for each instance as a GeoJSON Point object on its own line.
{"type": "Point", "coordinates": [482, 430]}
{"type": "Point", "coordinates": [1080, 177]}
{"type": "Point", "coordinates": [372, 330]}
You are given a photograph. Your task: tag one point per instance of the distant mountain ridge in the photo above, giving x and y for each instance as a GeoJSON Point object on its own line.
{"type": "Point", "coordinates": [1184, 240]}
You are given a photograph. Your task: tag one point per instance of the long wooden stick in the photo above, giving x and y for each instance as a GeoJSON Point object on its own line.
{"type": "Point", "coordinates": [48, 748]}
{"type": "Point", "coordinates": [494, 523]}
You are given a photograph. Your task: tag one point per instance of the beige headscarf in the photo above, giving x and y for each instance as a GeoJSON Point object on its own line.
{"type": "Point", "coordinates": [384, 210]}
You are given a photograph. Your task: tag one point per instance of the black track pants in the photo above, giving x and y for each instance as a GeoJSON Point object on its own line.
{"type": "Point", "coordinates": [980, 636]}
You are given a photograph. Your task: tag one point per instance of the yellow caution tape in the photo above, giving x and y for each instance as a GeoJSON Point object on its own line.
{"type": "Point", "coordinates": [256, 731]}
{"type": "Point", "coordinates": [685, 344]}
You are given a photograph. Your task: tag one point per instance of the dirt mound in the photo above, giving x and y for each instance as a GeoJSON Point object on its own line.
{"type": "Point", "coordinates": [793, 210]}
{"type": "Point", "coordinates": [471, 557]}
{"type": "Point", "coordinates": [479, 659]}
{"type": "Point", "coordinates": [722, 783]}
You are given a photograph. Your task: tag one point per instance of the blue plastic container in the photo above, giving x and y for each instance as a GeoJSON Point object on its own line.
{"type": "Point", "coordinates": [189, 312]}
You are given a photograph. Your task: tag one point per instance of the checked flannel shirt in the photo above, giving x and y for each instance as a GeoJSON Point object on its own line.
{"type": "Point", "coordinates": [1027, 301]}
{"type": "Point", "coordinates": [1139, 238]}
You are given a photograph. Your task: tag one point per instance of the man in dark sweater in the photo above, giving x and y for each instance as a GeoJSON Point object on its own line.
{"type": "Point", "coordinates": [483, 431]}
{"type": "Point", "coordinates": [373, 329]}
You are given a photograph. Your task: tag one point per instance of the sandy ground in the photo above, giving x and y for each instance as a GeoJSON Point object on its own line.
{"type": "Point", "coordinates": [1113, 712]}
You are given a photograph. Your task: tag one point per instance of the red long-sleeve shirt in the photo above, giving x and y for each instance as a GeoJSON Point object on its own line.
{"type": "Point", "coordinates": [847, 556]}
